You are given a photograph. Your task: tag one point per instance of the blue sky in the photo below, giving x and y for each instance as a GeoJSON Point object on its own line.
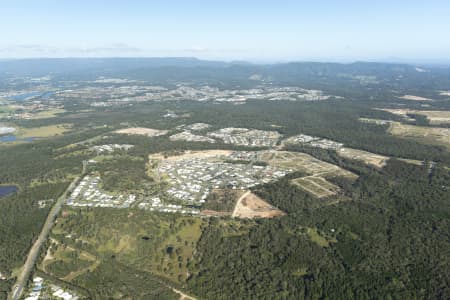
{"type": "Point", "coordinates": [323, 30]}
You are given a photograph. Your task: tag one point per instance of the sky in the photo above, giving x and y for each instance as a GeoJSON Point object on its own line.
{"type": "Point", "coordinates": [278, 30]}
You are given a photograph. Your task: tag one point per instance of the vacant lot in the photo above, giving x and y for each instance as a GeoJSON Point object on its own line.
{"type": "Point", "coordinates": [367, 157]}
{"type": "Point", "coordinates": [251, 206]}
{"type": "Point", "coordinates": [439, 136]}
{"type": "Point", "coordinates": [414, 98]}
{"type": "Point", "coordinates": [433, 116]}
{"type": "Point", "coordinates": [142, 131]}
{"type": "Point", "coordinates": [317, 186]}
{"type": "Point", "coordinates": [298, 161]}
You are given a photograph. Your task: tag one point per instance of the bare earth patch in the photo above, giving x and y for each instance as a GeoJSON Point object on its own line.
{"type": "Point", "coordinates": [433, 116]}
{"type": "Point", "coordinates": [214, 213]}
{"type": "Point", "coordinates": [376, 160]}
{"type": "Point", "coordinates": [252, 206]}
{"type": "Point", "coordinates": [440, 136]}
{"type": "Point", "coordinates": [191, 154]}
{"type": "Point", "coordinates": [299, 161]}
{"type": "Point", "coordinates": [414, 98]}
{"type": "Point", "coordinates": [317, 186]}
{"type": "Point", "coordinates": [142, 131]}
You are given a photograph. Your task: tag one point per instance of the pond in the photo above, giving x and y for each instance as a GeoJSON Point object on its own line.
{"type": "Point", "coordinates": [6, 190]}
{"type": "Point", "coordinates": [27, 96]}
{"type": "Point", "coordinates": [13, 138]}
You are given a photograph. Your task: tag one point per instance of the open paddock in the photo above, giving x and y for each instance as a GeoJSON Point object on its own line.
{"type": "Point", "coordinates": [43, 131]}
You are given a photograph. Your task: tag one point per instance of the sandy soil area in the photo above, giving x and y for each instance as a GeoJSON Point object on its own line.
{"type": "Point", "coordinates": [251, 206]}
{"type": "Point", "coordinates": [414, 98]}
{"type": "Point", "coordinates": [142, 131]}
{"type": "Point", "coordinates": [367, 157]}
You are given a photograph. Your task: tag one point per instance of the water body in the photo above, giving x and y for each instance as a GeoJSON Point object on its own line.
{"type": "Point", "coordinates": [6, 190]}
{"type": "Point", "coordinates": [22, 97]}
{"type": "Point", "coordinates": [47, 95]}
{"type": "Point", "coordinates": [26, 96]}
{"type": "Point", "coordinates": [13, 138]}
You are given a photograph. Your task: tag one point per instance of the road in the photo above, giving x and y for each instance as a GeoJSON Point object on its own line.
{"type": "Point", "coordinates": [238, 203]}
{"type": "Point", "coordinates": [22, 279]}
{"type": "Point", "coordinates": [183, 296]}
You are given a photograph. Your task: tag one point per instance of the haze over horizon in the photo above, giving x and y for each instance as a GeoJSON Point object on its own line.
{"type": "Point", "coordinates": [255, 31]}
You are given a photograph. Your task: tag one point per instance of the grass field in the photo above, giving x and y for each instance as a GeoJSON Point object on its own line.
{"type": "Point", "coordinates": [44, 131]}
{"type": "Point", "coordinates": [67, 263]}
{"type": "Point", "coordinates": [46, 114]}
{"type": "Point", "coordinates": [433, 135]}
{"type": "Point", "coordinates": [158, 244]}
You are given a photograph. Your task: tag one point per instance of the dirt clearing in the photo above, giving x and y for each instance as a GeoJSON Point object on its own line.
{"type": "Point", "coordinates": [298, 161]}
{"type": "Point", "coordinates": [142, 131]}
{"type": "Point", "coordinates": [414, 98]}
{"type": "Point", "coordinates": [376, 160]}
{"type": "Point", "coordinates": [434, 116]}
{"type": "Point", "coordinates": [251, 206]}
{"type": "Point", "coordinates": [435, 135]}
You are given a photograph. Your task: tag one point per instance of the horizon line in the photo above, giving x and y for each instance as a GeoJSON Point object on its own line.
{"type": "Point", "coordinates": [394, 60]}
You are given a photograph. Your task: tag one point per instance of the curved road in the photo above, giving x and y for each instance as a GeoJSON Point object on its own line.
{"type": "Point", "coordinates": [22, 279]}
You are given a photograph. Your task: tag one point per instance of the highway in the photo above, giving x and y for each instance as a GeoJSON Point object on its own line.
{"type": "Point", "coordinates": [25, 272]}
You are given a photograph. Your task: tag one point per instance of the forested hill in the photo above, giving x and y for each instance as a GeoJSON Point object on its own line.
{"type": "Point", "coordinates": [241, 73]}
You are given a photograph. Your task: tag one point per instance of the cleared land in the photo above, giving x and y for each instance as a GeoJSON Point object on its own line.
{"type": "Point", "coordinates": [44, 131]}
{"type": "Point", "coordinates": [250, 206]}
{"type": "Point", "coordinates": [433, 116]}
{"type": "Point", "coordinates": [46, 114]}
{"type": "Point", "coordinates": [414, 98]}
{"type": "Point", "coordinates": [142, 131]}
{"type": "Point", "coordinates": [317, 186]}
{"type": "Point", "coordinates": [374, 121]}
{"type": "Point", "coordinates": [298, 161]}
{"type": "Point", "coordinates": [439, 136]}
{"type": "Point", "coordinates": [367, 157]}
{"type": "Point", "coordinates": [190, 154]}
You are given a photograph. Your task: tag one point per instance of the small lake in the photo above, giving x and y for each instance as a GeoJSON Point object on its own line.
{"type": "Point", "coordinates": [6, 190]}
{"type": "Point", "coordinates": [26, 96]}
{"type": "Point", "coordinates": [13, 138]}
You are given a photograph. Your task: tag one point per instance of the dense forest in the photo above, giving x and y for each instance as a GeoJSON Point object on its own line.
{"type": "Point", "coordinates": [389, 241]}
